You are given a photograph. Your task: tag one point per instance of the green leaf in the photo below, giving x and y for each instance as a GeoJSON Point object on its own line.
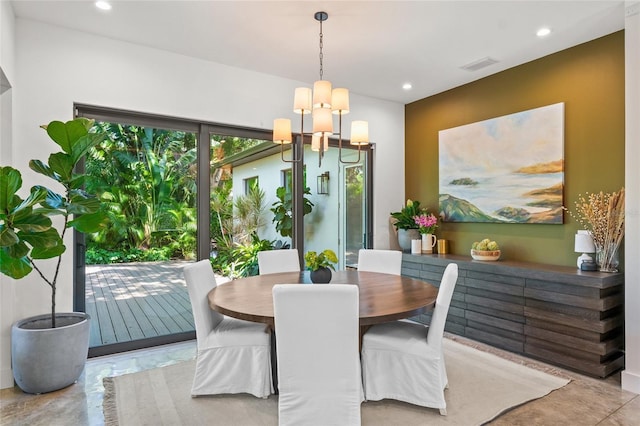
{"type": "Point", "coordinates": [12, 267]}
{"type": "Point", "coordinates": [57, 131]}
{"type": "Point", "coordinates": [53, 200]}
{"type": "Point", "coordinates": [7, 237]}
{"type": "Point", "coordinates": [18, 251]}
{"type": "Point", "coordinates": [62, 164]}
{"type": "Point", "coordinates": [42, 168]}
{"type": "Point", "coordinates": [10, 183]}
{"type": "Point", "coordinates": [83, 144]}
{"type": "Point", "coordinates": [37, 195]}
{"type": "Point", "coordinates": [89, 223]}
{"type": "Point", "coordinates": [47, 252]}
{"type": "Point", "coordinates": [46, 239]}
{"type": "Point", "coordinates": [80, 204]}
{"type": "Point", "coordinates": [32, 223]}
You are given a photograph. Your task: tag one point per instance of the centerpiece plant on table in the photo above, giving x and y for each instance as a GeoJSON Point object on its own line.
{"type": "Point", "coordinates": [320, 265]}
{"type": "Point", "coordinates": [602, 215]}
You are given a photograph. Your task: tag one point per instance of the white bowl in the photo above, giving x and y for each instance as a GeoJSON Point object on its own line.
{"type": "Point", "coordinates": [485, 254]}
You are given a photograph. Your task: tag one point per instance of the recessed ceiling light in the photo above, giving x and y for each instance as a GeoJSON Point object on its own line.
{"type": "Point", "coordinates": [407, 86]}
{"type": "Point", "coordinates": [101, 4]}
{"type": "Point", "coordinates": [544, 31]}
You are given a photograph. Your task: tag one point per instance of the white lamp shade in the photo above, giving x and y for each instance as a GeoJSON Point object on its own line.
{"type": "Point", "coordinates": [302, 100]}
{"type": "Point", "coordinates": [584, 242]}
{"type": "Point", "coordinates": [359, 133]}
{"type": "Point", "coordinates": [315, 142]}
{"type": "Point", "coordinates": [322, 122]}
{"type": "Point", "coordinates": [282, 130]}
{"type": "Point", "coordinates": [322, 94]}
{"type": "Point", "coordinates": [340, 101]}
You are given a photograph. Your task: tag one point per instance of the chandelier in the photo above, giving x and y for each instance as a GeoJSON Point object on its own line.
{"type": "Point", "coordinates": [322, 103]}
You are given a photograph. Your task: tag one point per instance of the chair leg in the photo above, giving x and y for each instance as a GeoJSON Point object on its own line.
{"type": "Point", "coordinates": [443, 411]}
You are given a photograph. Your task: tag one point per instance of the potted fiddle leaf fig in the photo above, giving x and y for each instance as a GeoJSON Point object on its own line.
{"type": "Point", "coordinates": [320, 265]}
{"type": "Point", "coordinates": [48, 351]}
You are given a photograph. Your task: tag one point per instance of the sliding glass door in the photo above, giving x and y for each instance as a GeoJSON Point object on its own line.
{"type": "Point", "coordinates": [177, 191]}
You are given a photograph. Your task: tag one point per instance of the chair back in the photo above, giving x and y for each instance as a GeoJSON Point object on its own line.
{"type": "Point", "coordinates": [200, 280]}
{"type": "Point", "coordinates": [319, 379]}
{"type": "Point", "coordinates": [383, 261]}
{"type": "Point", "coordinates": [275, 261]}
{"type": "Point", "coordinates": [443, 300]}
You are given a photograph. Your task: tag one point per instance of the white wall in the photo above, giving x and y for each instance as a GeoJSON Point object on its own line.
{"type": "Point", "coordinates": [7, 285]}
{"type": "Point", "coordinates": [55, 67]}
{"type": "Point", "coordinates": [631, 374]}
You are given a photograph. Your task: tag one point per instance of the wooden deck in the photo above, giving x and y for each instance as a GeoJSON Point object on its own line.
{"type": "Point", "coordinates": [136, 301]}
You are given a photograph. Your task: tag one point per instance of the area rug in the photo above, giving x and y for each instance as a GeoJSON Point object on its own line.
{"type": "Point", "coordinates": [481, 386]}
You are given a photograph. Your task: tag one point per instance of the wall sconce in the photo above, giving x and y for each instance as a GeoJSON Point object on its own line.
{"type": "Point", "coordinates": [323, 183]}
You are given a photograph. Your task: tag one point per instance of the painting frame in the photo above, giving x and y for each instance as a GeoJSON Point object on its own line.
{"type": "Point", "coordinates": [507, 169]}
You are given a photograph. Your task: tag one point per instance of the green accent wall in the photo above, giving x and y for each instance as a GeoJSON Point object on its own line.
{"type": "Point", "coordinates": [589, 79]}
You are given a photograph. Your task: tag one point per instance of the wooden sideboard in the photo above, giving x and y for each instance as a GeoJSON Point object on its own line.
{"type": "Point", "coordinates": [556, 314]}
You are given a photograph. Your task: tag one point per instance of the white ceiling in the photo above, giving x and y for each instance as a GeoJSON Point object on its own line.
{"type": "Point", "coordinates": [370, 47]}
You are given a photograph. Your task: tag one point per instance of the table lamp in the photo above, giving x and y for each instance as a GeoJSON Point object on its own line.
{"type": "Point", "coordinates": [584, 244]}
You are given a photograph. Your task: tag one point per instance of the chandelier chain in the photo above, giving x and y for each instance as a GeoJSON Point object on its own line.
{"type": "Point", "coordinates": [321, 55]}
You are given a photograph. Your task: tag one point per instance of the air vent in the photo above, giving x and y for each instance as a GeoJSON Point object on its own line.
{"type": "Point", "coordinates": [480, 63]}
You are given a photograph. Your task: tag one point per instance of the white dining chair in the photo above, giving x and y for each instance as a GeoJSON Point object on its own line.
{"type": "Point", "coordinates": [383, 261]}
{"type": "Point", "coordinates": [275, 261]}
{"type": "Point", "coordinates": [404, 360]}
{"type": "Point", "coordinates": [319, 376]}
{"type": "Point", "coordinates": [233, 356]}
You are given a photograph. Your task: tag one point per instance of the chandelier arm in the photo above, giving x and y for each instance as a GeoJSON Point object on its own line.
{"type": "Point", "coordinates": [349, 162]}
{"type": "Point", "coordinates": [340, 143]}
{"type": "Point", "coordinates": [293, 159]}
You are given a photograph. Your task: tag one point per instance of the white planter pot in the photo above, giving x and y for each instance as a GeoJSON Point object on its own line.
{"type": "Point", "coordinates": [46, 359]}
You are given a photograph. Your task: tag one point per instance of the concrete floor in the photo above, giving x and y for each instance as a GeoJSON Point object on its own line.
{"type": "Point", "coordinates": [584, 401]}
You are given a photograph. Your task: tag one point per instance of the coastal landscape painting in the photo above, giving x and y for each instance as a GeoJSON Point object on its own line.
{"type": "Point", "coordinates": [508, 169]}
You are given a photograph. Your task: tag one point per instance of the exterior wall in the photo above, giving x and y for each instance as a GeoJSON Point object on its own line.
{"type": "Point", "coordinates": [56, 67]}
{"type": "Point", "coordinates": [590, 80]}
{"type": "Point", "coordinates": [631, 375]}
{"type": "Point", "coordinates": [322, 227]}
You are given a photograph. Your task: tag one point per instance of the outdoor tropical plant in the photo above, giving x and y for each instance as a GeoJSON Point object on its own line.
{"type": "Point", "coordinates": [145, 177]}
{"type": "Point", "coordinates": [27, 234]}
{"type": "Point", "coordinates": [283, 210]}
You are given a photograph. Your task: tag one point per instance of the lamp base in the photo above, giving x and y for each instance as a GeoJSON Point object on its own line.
{"type": "Point", "coordinates": [584, 257]}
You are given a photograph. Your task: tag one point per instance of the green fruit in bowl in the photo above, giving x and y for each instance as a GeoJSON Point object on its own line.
{"type": "Point", "coordinates": [485, 245]}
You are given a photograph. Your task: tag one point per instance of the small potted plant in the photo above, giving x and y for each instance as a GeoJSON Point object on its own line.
{"type": "Point", "coordinates": [320, 265]}
{"type": "Point", "coordinates": [406, 224]}
{"type": "Point", "coordinates": [428, 224]}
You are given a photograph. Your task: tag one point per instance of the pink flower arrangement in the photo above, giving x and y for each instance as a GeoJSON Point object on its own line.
{"type": "Point", "coordinates": [426, 222]}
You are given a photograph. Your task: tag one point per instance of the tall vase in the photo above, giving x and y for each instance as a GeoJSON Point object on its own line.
{"type": "Point", "coordinates": [607, 258]}
{"type": "Point", "coordinates": [404, 238]}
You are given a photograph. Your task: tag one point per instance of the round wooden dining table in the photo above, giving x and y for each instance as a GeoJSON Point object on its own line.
{"type": "Point", "coordinates": [383, 297]}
